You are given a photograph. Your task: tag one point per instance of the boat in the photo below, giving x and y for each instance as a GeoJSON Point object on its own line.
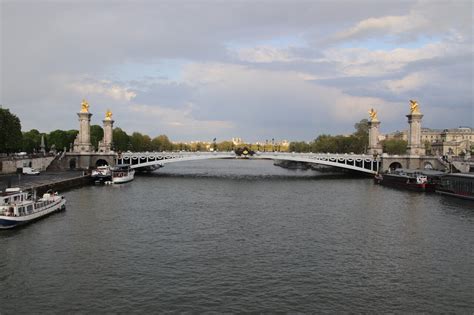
{"type": "Point", "coordinates": [101, 174]}
{"type": "Point", "coordinates": [406, 179]}
{"type": "Point", "coordinates": [18, 207]}
{"type": "Point", "coordinates": [122, 173]}
{"type": "Point", "coordinates": [460, 185]}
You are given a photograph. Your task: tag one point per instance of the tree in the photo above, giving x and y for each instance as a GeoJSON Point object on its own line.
{"type": "Point", "coordinates": [10, 132]}
{"type": "Point", "coordinates": [121, 140]}
{"type": "Point", "coordinates": [60, 139]}
{"type": "Point", "coordinates": [225, 146]}
{"type": "Point", "coordinates": [31, 141]}
{"type": "Point", "coordinates": [362, 136]}
{"type": "Point", "coordinates": [140, 142]}
{"type": "Point", "coordinates": [161, 143]}
{"type": "Point", "coordinates": [394, 146]}
{"type": "Point", "coordinates": [299, 146]}
{"type": "Point", "coordinates": [97, 134]}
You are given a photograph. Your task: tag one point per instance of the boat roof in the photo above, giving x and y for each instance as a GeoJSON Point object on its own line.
{"type": "Point", "coordinates": [426, 172]}
{"type": "Point", "coordinates": [120, 167]}
{"type": "Point", "coordinates": [462, 175]}
{"type": "Point", "coordinates": [11, 191]}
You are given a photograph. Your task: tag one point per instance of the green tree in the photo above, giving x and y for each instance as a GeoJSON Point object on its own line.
{"type": "Point", "coordinates": [97, 134]}
{"type": "Point", "coordinates": [225, 146]}
{"type": "Point", "coordinates": [140, 142]}
{"type": "Point", "coordinates": [60, 139]}
{"type": "Point", "coordinates": [121, 140]}
{"type": "Point", "coordinates": [10, 132]}
{"type": "Point", "coordinates": [324, 144]}
{"type": "Point", "coordinates": [394, 146]}
{"type": "Point", "coordinates": [361, 140]}
{"type": "Point", "coordinates": [181, 147]}
{"type": "Point", "coordinates": [161, 143]}
{"type": "Point", "coordinates": [31, 141]}
{"type": "Point", "coordinates": [299, 146]}
{"type": "Point", "coordinates": [71, 136]}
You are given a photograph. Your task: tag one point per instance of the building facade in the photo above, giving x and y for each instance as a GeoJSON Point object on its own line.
{"type": "Point", "coordinates": [454, 141]}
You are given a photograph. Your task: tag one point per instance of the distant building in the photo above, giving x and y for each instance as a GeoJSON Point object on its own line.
{"type": "Point", "coordinates": [237, 141]}
{"type": "Point", "coordinates": [454, 141]}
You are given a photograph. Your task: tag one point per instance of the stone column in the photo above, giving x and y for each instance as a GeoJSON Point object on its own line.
{"type": "Point", "coordinates": [374, 146]}
{"type": "Point", "coordinates": [106, 143]}
{"type": "Point", "coordinates": [415, 147]}
{"type": "Point", "coordinates": [83, 139]}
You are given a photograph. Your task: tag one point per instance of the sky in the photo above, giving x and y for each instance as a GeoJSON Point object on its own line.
{"type": "Point", "coordinates": [255, 69]}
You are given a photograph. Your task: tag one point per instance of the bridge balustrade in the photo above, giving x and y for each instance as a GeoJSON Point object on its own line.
{"type": "Point", "coordinates": [356, 162]}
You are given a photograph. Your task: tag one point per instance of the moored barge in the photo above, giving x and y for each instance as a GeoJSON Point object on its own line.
{"type": "Point", "coordinates": [457, 185]}
{"type": "Point", "coordinates": [406, 179]}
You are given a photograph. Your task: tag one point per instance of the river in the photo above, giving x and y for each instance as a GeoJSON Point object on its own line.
{"type": "Point", "coordinates": [242, 236]}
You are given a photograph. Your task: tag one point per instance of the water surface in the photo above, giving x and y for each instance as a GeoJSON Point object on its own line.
{"type": "Point", "coordinates": [242, 236]}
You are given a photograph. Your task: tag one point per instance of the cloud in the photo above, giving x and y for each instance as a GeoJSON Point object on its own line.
{"type": "Point", "coordinates": [410, 82]}
{"type": "Point", "coordinates": [386, 24]}
{"type": "Point", "coordinates": [179, 122]}
{"type": "Point", "coordinates": [264, 54]}
{"type": "Point", "coordinates": [103, 87]}
{"type": "Point", "coordinates": [425, 18]}
{"type": "Point", "coordinates": [235, 68]}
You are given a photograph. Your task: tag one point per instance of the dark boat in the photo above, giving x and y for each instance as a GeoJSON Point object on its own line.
{"type": "Point", "coordinates": [407, 179]}
{"type": "Point", "coordinates": [457, 185]}
{"type": "Point", "coordinates": [101, 175]}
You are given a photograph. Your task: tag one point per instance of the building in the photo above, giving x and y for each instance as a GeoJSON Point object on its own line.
{"type": "Point", "coordinates": [237, 141]}
{"type": "Point", "coordinates": [454, 141]}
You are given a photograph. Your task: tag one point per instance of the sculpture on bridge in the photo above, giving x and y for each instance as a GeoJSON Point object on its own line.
{"type": "Point", "coordinates": [84, 106]}
{"type": "Point", "coordinates": [414, 108]}
{"type": "Point", "coordinates": [373, 115]}
{"type": "Point", "coordinates": [108, 115]}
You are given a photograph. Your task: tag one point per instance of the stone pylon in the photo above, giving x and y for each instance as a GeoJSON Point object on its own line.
{"type": "Point", "coordinates": [415, 147]}
{"type": "Point", "coordinates": [82, 143]}
{"type": "Point", "coordinates": [375, 147]}
{"type": "Point", "coordinates": [42, 146]}
{"type": "Point", "coordinates": [106, 144]}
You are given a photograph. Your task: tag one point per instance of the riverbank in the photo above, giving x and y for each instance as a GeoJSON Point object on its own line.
{"type": "Point", "coordinates": [57, 181]}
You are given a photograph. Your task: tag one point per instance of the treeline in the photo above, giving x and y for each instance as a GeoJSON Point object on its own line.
{"type": "Point", "coordinates": [10, 132]}
{"type": "Point", "coordinates": [12, 139]}
{"type": "Point", "coordinates": [356, 143]}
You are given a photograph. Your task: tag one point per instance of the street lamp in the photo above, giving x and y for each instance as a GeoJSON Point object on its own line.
{"type": "Point", "coordinates": [273, 144]}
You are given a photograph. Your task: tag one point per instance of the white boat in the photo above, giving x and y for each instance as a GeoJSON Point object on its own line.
{"type": "Point", "coordinates": [18, 207]}
{"type": "Point", "coordinates": [122, 173]}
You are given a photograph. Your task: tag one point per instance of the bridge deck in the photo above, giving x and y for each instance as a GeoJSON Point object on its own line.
{"type": "Point", "coordinates": [361, 163]}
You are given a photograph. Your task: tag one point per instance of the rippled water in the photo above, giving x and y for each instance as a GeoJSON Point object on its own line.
{"type": "Point", "coordinates": [242, 236]}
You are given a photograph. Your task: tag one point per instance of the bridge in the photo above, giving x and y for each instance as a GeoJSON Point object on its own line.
{"type": "Point", "coordinates": [83, 155]}
{"type": "Point", "coordinates": [361, 163]}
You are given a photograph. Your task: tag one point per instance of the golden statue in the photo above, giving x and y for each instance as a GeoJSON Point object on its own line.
{"type": "Point", "coordinates": [373, 115]}
{"type": "Point", "coordinates": [414, 109]}
{"type": "Point", "coordinates": [108, 115]}
{"type": "Point", "coordinates": [84, 106]}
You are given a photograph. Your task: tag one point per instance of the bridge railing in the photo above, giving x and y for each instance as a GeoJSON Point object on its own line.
{"type": "Point", "coordinates": [357, 162]}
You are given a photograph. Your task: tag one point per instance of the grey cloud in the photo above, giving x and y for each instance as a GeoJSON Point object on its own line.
{"type": "Point", "coordinates": [47, 46]}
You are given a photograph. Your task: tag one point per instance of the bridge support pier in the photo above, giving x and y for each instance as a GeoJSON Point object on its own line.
{"type": "Point", "coordinates": [375, 148]}
{"type": "Point", "coordinates": [415, 147]}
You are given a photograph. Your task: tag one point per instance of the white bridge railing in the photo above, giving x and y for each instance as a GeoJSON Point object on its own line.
{"type": "Point", "coordinates": [362, 163]}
